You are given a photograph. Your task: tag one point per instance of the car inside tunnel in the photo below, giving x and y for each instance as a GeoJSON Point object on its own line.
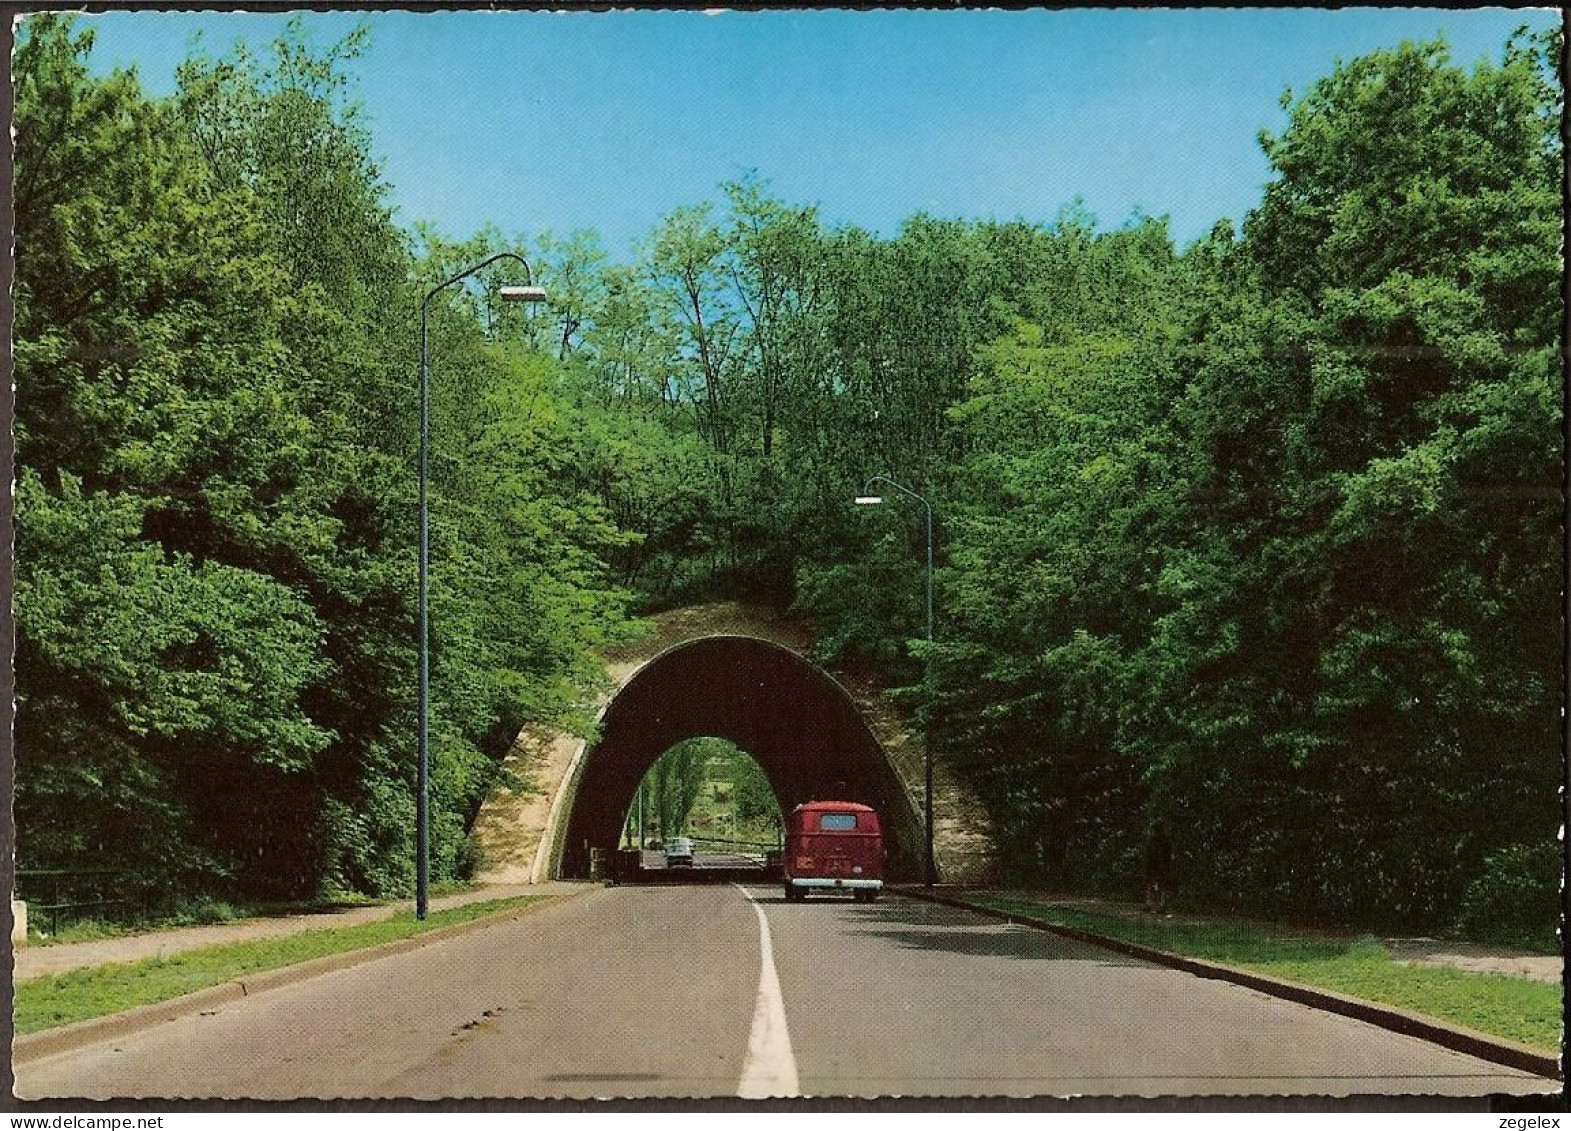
{"type": "Point", "coordinates": [800, 726]}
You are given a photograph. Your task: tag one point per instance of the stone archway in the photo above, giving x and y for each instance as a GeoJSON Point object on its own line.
{"type": "Point", "coordinates": [736, 672]}
{"type": "Point", "coordinates": [797, 723]}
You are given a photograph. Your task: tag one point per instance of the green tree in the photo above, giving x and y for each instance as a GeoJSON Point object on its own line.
{"type": "Point", "coordinates": [1366, 602]}
{"type": "Point", "coordinates": [232, 417]}
{"type": "Point", "coordinates": [162, 452]}
{"type": "Point", "coordinates": [673, 784]}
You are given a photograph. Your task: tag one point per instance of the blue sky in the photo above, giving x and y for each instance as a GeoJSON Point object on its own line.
{"type": "Point", "coordinates": [570, 120]}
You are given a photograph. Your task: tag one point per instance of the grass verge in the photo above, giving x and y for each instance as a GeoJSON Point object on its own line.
{"type": "Point", "coordinates": [43, 1003]}
{"type": "Point", "coordinates": [1517, 1009]}
{"type": "Point", "coordinates": [204, 911]}
{"type": "Point", "coordinates": [196, 913]}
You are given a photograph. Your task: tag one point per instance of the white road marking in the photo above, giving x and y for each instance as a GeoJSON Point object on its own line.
{"type": "Point", "coordinates": [770, 1068]}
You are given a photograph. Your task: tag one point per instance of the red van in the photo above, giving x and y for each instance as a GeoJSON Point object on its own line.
{"type": "Point", "coordinates": [834, 846]}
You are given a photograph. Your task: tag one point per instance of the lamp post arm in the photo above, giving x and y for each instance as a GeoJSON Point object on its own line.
{"type": "Point", "coordinates": [484, 263]}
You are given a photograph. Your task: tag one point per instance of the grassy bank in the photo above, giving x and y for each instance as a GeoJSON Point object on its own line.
{"type": "Point", "coordinates": [43, 1003]}
{"type": "Point", "coordinates": [1517, 1009]}
{"type": "Point", "coordinates": [203, 911]}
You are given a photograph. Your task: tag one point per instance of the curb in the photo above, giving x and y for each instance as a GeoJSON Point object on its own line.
{"type": "Point", "coordinates": [1494, 1049]}
{"type": "Point", "coordinates": [66, 1038]}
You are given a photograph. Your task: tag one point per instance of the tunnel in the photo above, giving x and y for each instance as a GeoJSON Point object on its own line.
{"type": "Point", "coordinates": [796, 722]}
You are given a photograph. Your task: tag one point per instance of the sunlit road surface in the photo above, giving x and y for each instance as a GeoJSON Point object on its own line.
{"type": "Point", "coordinates": [663, 991]}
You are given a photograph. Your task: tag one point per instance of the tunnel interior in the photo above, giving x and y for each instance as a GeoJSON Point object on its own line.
{"type": "Point", "coordinates": [796, 722]}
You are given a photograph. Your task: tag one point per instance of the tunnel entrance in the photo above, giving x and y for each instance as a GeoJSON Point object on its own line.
{"type": "Point", "coordinates": [799, 725]}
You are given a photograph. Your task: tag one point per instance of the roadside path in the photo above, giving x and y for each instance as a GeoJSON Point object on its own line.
{"type": "Point", "coordinates": [42, 961]}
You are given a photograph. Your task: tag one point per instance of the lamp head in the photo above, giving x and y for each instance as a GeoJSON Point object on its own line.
{"type": "Point", "coordinates": [522, 294]}
{"type": "Point", "coordinates": [869, 500]}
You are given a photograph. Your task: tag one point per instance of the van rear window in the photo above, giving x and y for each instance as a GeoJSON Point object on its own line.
{"type": "Point", "coordinates": [837, 822]}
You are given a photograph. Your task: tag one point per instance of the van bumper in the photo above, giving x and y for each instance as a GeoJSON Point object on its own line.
{"type": "Point", "coordinates": [834, 882]}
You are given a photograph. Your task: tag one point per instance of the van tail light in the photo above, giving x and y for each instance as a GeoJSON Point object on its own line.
{"type": "Point", "coordinates": [805, 863]}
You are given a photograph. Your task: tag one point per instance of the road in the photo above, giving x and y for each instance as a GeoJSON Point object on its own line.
{"type": "Point", "coordinates": [672, 991]}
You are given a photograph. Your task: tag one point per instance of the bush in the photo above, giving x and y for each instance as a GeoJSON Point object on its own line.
{"type": "Point", "coordinates": [1515, 898]}
{"type": "Point", "coordinates": [197, 911]}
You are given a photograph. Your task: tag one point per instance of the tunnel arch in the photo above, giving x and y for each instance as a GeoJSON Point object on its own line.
{"type": "Point", "coordinates": [801, 727]}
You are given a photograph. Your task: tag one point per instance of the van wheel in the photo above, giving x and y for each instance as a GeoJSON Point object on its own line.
{"type": "Point", "coordinates": [794, 894]}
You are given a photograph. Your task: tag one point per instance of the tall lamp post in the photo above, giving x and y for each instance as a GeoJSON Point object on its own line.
{"type": "Point", "coordinates": [867, 498]}
{"type": "Point", "coordinates": [527, 293]}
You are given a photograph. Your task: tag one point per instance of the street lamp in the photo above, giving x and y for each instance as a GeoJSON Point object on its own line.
{"type": "Point", "coordinates": [868, 499]}
{"type": "Point", "coordinates": [423, 786]}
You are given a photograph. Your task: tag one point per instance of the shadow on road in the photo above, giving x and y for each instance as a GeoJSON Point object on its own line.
{"type": "Point", "coordinates": [915, 925]}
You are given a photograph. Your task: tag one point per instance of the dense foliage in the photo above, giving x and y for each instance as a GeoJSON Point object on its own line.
{"type": "Point", "coordinates": [215, 361]}
{"type": "Point", "coordinates": [1257, 539]}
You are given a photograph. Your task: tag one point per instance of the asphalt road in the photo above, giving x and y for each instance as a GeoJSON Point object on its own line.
{"type": "Point", "coordinates": [665, 991]}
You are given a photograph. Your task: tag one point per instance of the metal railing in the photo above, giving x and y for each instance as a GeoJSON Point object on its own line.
{"type": "Point", "coordinates": [766, 845]}
{"type": "Point", "coordinates": [68, 893]}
